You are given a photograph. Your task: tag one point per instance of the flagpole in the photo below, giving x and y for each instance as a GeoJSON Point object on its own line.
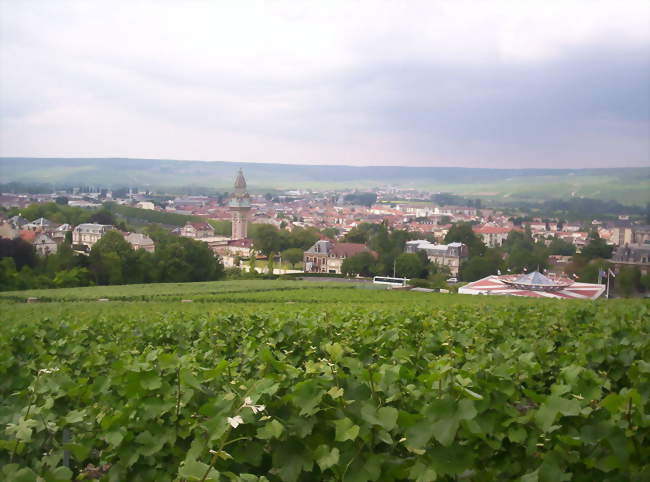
{"type": "Point", "coordinates": [607, 295]}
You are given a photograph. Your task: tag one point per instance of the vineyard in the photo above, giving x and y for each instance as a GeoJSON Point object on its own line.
{"type": "Point", "coordinates": [296, 381]}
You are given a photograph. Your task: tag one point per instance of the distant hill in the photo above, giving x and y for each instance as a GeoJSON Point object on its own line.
{"type": "Point", "coordinates": [629, 185]}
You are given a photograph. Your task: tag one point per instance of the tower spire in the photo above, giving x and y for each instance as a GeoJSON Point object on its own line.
{"type": "Point", "coordinates": [240, 205]}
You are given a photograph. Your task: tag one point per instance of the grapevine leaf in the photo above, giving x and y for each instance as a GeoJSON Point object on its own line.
{"type": "Point", "coordinates": [335, 392]}
{"type": "Point", "coordinates": [271, 430]}
{"type": "Point", "coordinates": [613, 402]}
{"type": "Point", "coordinates": [326, 458]}
{"type": "Point", "coordinates": [290, 459]}
{"type": "Point", "coordinates": [59, 474]}
{"type": "Point", "coordinates": [530, 477]}
{"type": "Point", "coordinates": [150, 381]}
{"type": "Point", "coordinates": [75, 416]}
{"type": "Point", "coordinates": [307, 395]}
{"type": "Point", "coordinates": [419, 435]}
{"type": "Point", "coordinates": [517, 434]}
{"type": "Point", "coordinates": [334, 350]}
{"type": "Point", "coordinates": [444, 430]}
{"type": "Point", "coordinates": [421, 473]}
{"type": "Point", "coordinates": [79, 451]}
{"type": "Point", "coordinates": [114, 437]}
{"type": "Point", "coordinates": [24, 475]}
{"type": "Point", "coordinates": [387, 417]}
{"type": "Point", "coordinates": [346, 430]}
{"type": "Point", "coordinates": [195, 471]}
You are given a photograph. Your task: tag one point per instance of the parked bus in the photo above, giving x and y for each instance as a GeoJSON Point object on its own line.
{"type": "Point", "coordinates": [387, 280]}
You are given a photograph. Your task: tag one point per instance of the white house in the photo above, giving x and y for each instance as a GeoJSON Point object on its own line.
{"type": "Point", "coordinates": [140, 241]}
{"type": "Point", "coordinates": [88, 234]}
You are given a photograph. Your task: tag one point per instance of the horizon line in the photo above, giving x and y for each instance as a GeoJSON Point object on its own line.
{"type": "Point", "coordinates": [328, 165]}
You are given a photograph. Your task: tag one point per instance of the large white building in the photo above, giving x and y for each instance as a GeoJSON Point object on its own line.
{"type": "Point", "coordinates": [450, 255]}
{"type": "Point", "coordinates": [88, 234]}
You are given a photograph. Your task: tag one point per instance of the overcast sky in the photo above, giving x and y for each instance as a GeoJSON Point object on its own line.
{"type": "Point", "coordinates": [440, 83]}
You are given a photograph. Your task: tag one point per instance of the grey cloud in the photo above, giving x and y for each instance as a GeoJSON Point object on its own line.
{"type": "Point", "coordinates": [589, 104]}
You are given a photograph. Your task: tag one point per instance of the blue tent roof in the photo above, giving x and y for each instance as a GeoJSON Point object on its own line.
{"type": "Point", "coordinates": [534, 278]}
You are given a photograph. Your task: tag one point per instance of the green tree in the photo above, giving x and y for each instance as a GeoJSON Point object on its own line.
{"type": "Point", "coordinates": [72, 278]}
{"type": "Point", "coordinates": [628, 281]}
{"type": "Point", "coordinates": [362, 264]}
{"type": "Point", "coordinates": [183, 259]}
{"type": "Point", "coordinates": [645, 282]}
{"type": "Point", "coordinates": [103, 216]}
{"type": "Point", "coordinates": [108, 257]}
{"type": "Point", "coordinates": [8, 274]}
{"type": "Point", "coordinates": [478, 267]}
{"type": "Point", "coordinates": [251, 263]}
{"type": "Point", "coordinates": [561, 247]}
{"type": "Point", "coordinates": [303, 238]}
{"type": "Point", "coordinates": [267, 239]}
{"type": "Point", "coordinates": [359, 234]}
{"type": "Point", "coordinates": [522, 258]}
{"type": "Point", "coordinates": [463, 233]}
{"type": "Point", "coordinates": [436, 269]}
{"type": "Point", "coordinates": [596, 247]}
{"type": "Point", "coordinates": [410, 265]}
{"type": "Point", "coordinates": [22, 252]}
{"type": "Point", "coordinates": [364, 198]}
{"type": "Point", "coordinates": [331, 233]}
{"type": "Point", "coordinates": [293, 256]}
{"type": "Point", "coordinates": [588, 273]}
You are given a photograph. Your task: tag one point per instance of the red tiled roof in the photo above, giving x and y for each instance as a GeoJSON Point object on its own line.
{"type": "Point", "coordinates": [242, 243]}
{"type": "Point", "coordinates": [27, 235]}
{"type": "Point", "coordinates": [493, 230]}
{"type": "Point", "coordinates": [201, 226]}
{"type": "Point", "coordinates": [341, 250]}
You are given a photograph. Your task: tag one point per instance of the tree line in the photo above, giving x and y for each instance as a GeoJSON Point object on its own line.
{"type": "Point", "coordinates": [519, 253]}
{"type": "Point", "coordinates": [112, 260]}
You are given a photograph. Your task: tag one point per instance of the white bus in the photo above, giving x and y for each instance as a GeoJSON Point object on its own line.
{"type": "Point", "coordinates": [387, 280]}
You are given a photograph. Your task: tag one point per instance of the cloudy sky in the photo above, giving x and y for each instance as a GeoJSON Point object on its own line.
{"type": "Point", "coordinates": [469, 83]}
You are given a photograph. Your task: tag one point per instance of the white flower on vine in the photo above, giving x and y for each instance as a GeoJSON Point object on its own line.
{"type": "Point", "coordinates": [235, 421]}
{"type": "Point", "coordinates": [255, 408]}
{"type": "Point", "coordinates": [48, 371]}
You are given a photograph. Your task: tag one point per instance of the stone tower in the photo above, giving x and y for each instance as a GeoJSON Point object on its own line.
{"type": "Point", "coordinates": [240, 205]}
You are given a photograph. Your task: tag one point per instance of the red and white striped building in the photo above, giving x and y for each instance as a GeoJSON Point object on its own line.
{"type": "Point", "coordinates": [534, 285]}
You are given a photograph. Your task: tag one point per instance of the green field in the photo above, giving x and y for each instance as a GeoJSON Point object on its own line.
{"type": "Point", "coordinates": [300, 381]}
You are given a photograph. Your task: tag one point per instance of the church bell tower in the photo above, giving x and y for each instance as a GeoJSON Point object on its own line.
{"type": "Point", "coordinates": [240, 205]}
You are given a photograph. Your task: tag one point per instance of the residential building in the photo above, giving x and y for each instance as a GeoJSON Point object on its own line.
{"type": "Point", "coordinates": [327, 256]}
{"type": "Point", "coordinates": [621, 232]}
{"type": "Point", "coordinates": [40, 224]}
{"type": "Point", "coordinates": [140, 241]}
{"type": "Point", "coordinates": [18, 221]}
{"type": "Point", "coordinates": [146, 205]}
{"type": "Point", "coordinates": [197, 230]}
{"type": "Point", "coordinates": [7, 230]}
{"type": "Point", "coordinates": [635, 255]}
{"type": "Point", "coordinates": [60, 232]}
{"type": "Point", "coordinates": [492, 236]}
{"type": "Point", "coordinates": [88, 234]}
{"type": "Point", "coordinates": [641, 234]}
{"type": "Point", "coordinates": [44, 245]}
{"type": "Point", "coordinates": [450, 255]}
